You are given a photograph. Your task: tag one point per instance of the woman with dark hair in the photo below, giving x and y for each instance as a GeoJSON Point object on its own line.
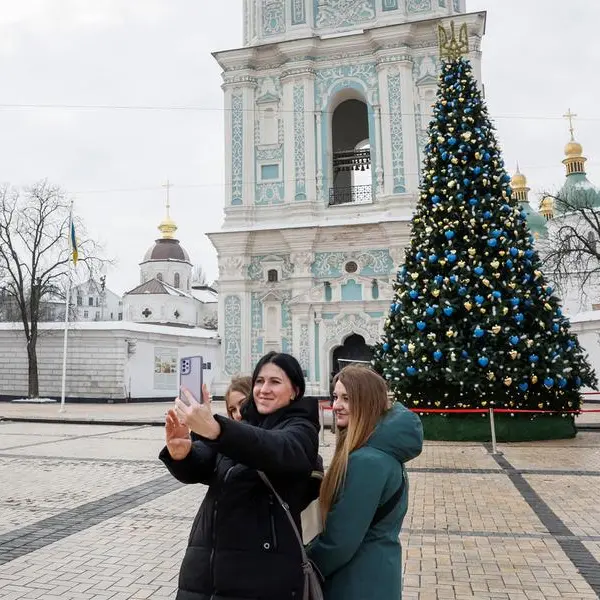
{"type": "Point", "coordinates": [241, 545]}
{"type": "Point", "coordinates": [364, 495]}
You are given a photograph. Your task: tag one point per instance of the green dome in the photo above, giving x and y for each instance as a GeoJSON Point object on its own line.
{"type": "Point", "coordinates": [537, 223]}
{"type": "Point", "coordinates": [578, 191]}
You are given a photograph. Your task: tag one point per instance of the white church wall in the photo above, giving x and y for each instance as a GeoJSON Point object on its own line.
{"type": "Point", "coordinates": [587, 327]}
{"type": "Point", "coordinates": [166, 271]}
{"type": "Point", "coordinates": [163, 308]}
{"type": "Point", "coordinates": [102, 359]}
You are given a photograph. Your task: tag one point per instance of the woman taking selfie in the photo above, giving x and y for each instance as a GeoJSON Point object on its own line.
{"type": "Point", "coordinates": [364, 495]}
{"type": "Point", "coordinates": [241, 544]}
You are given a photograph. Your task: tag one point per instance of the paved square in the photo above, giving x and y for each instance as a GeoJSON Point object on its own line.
{"type": "Point", "coordinates": [88, 513]}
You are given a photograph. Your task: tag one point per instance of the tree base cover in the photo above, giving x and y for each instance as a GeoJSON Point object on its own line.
{"type": "Point", "coordinates": [476, 428]}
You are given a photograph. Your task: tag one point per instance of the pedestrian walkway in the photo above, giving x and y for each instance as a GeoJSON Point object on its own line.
{"type": "Point", "coordinates": [88, 513]}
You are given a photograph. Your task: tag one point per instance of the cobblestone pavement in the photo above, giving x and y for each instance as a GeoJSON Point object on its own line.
{"type": "Point", "coordinates": [88, 513]}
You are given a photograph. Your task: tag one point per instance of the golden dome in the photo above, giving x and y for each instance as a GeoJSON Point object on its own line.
{"type": "Point", "coordinates": [518, 180]}
{"type": "Point", "coordinates": [574, 149]}
{"type": "Point", "coordinates": [547, 207]}
{"type": "Point", "coordinates": [167, 228]}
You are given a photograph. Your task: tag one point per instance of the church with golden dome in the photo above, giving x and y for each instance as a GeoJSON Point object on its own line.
{"type": "Point", "coordinates": [563, 208]}
{"type": "Point", "coordinates": [167, 294]}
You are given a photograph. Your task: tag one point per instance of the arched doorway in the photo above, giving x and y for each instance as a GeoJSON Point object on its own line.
{"type": "Point", "coordinates": [351, 153]}
{"type": "Point", "coordinates": [354, 349]}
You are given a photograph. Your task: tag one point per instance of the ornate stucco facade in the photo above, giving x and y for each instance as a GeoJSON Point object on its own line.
{"type": "Point", "coordinates": [327, 106]}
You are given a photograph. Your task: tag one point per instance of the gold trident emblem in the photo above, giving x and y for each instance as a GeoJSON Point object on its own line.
{"type": "Point", "coordinates": [450, 47]}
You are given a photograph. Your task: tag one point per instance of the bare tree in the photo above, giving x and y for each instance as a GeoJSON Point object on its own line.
{"type": "Point", "coordinates": [35, 256]}
{"type": "Point", "coordinates": [572, 252]}
{"type": "Point", "coordinates": [199, 276]}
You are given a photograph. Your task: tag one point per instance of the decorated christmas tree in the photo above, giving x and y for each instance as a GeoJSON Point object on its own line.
{"type": "Point", "coordinates": [473, 322]}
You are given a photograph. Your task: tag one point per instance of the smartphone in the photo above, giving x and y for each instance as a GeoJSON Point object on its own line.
{"type": "Point", "coordinates": [191, 375]}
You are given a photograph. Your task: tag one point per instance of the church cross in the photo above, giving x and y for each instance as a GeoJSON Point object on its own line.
{"type": "Point", "coordinates": [570, 116]}
{"type": "Point", "coordinates": [168, 187]}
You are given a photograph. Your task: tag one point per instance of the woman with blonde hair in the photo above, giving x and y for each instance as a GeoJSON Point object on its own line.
{"type": "Point", "coordinates": [364, 495]}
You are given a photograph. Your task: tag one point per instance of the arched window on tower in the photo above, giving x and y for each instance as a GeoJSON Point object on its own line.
{"type": "Point", "coordinates": [176, 280]}
{"type": "Point", "coordinates": [351, 153]}
{"type": "Point", "coordinates": [592, 241]}
{"type": "Point", "coordinates": [272, 276]}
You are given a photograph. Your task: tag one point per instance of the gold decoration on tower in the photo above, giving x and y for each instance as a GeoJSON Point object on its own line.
{"type": "Point", "coordinates": [450, 47]}
{"type": "Point", "coordinates": [547, 207]}
{"type": "Point", "coordinates": [574, 161]}
{"type": "Point", "coordinates": [168, 226]}
{"type": "Point", "coordinates": [518, 183]}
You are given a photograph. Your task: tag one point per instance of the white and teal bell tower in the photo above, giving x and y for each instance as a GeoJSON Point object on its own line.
{"type": "Point", "coordinates": [326, 110]}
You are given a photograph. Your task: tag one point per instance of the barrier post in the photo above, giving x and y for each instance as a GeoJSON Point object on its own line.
{"type": "Point", "coordinates": [322, 419]}
{"type": "Point", "coordinates": [493, 428]}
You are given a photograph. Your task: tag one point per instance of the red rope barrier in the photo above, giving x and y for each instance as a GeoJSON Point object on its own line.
{"type": "Point", "coordinates": [326, 406]}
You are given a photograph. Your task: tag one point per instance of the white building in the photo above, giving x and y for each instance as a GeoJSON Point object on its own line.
{"type": "Point", "coordinates": [166, 295]}
{"type": "Point", "coordinates": [94, 302]}
{"type": "Point", "coordinates": [105, 361]}
{"type": "Point", "coordinates": [327, 107]}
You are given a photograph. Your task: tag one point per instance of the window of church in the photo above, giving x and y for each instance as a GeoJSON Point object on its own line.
{"type": "Point", "coordinates": [159, 276]}
{"type": "Point", "coordinates": [328, 293]}
{"type": "Point", "coordinates": [375, 290]}
{"type": "Point", "coordinates": [592, 241]}
{"type": "Point", "coordinates": [272, 276]}
{"type": "Point", "coordinates": [79, 301]}
{"type": "Point", "coordinates": [176, 280]}
{"type": "Point", "coordinates": [269, 127]}
{"type": "Point", "coordinates": [351, 267]}
{"type": "Point", "coordinates": [90, 301]}
{"type": "Point", "coordinates": [351, 151]}
{"type": "Point", "coordinates": [85, 314]}
{"type": "Point", "coordinates": [269, 172]}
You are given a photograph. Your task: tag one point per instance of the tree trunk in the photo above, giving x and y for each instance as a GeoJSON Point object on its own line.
{"type": "Point", "coordinates": [33, 386]}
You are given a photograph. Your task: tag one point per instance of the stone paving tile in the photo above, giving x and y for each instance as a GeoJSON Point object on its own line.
{"type": "Point", "coordinates": [95, 447]}
{"type": "Point", "coordinates": [449, 456]}
{"type": "Point", "coordinates": [441, 566]}
{"type": "Point", "coordinates": [473, 502]}
{"type": "Point", "coordinates": [33, 490]}
{"type": "Point", "coordinates": [574, 499]}
{"type": "Point", "coordinates": [134, 555]}
{"type": "Point", "coordinates": [552, 457]}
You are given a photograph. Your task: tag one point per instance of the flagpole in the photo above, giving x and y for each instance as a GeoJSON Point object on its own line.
{"type": "Point", "coordinates": [67, 302]}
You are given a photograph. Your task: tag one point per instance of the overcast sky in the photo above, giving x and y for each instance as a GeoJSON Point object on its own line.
{"type": "Point", "coordinates": [540, 58]}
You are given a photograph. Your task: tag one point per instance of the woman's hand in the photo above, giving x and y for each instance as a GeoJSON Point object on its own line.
{"type": "Point", "coordinates": [198, 417]}
{"type": "Point", "coordinates": [179, 442]}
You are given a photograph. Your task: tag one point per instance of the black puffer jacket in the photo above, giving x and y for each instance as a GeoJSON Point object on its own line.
{"type": "Point", "coordinates": [241, 546]}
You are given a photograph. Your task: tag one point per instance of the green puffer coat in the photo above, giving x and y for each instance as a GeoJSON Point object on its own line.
{"type": "Point", "coordinates": [358, 561]}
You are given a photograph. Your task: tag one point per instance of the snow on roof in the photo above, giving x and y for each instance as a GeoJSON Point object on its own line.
{"type": "Point", "coordinates": [584, 317]}
{"type": "Point", "coordinates": [205, 296]}
{"type": "Point", "coordinates": [193, 332]}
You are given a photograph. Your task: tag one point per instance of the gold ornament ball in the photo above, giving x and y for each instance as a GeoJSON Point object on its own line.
{"type": "Point", "coordinates": [468, 306]}
{"type": "Point", "coordinates": [508, 381]}
{"type": "Point", "coordinates": [534, 379]}
{"type": "Point", "coordinates": [513, 354]}
{"type": "Point", "coordinates": [496, 329]}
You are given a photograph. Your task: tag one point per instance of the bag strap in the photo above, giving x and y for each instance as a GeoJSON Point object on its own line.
{"type": "Point", "coordinates": [388, 506]}
{"type": "Point", "coordinates": [288, 514]}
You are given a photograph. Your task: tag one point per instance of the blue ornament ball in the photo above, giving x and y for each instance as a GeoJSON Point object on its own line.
{"type": "Point", "coordinates": [449, 234]}
{"type": "Point", "coordinates": [437, 355]}
{"type": "Point", "coordinates": [514, 340]}
{"type": "Point", "coordinates": [411, 371]}
{"type": "Point", "coordinates": [421, 325]}
{"type": "Point", "coordinates": [483, 361]}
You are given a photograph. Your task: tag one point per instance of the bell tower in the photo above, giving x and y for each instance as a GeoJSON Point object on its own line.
{"type": "Point", "coordinates": [327, 105]}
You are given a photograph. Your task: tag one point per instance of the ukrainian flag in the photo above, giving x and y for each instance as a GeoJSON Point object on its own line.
{"type": "Point", "coordinates": [74, 243]}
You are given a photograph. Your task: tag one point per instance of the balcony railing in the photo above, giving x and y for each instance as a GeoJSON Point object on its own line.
{"type": "Point", "coordinates": [356, 194]}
